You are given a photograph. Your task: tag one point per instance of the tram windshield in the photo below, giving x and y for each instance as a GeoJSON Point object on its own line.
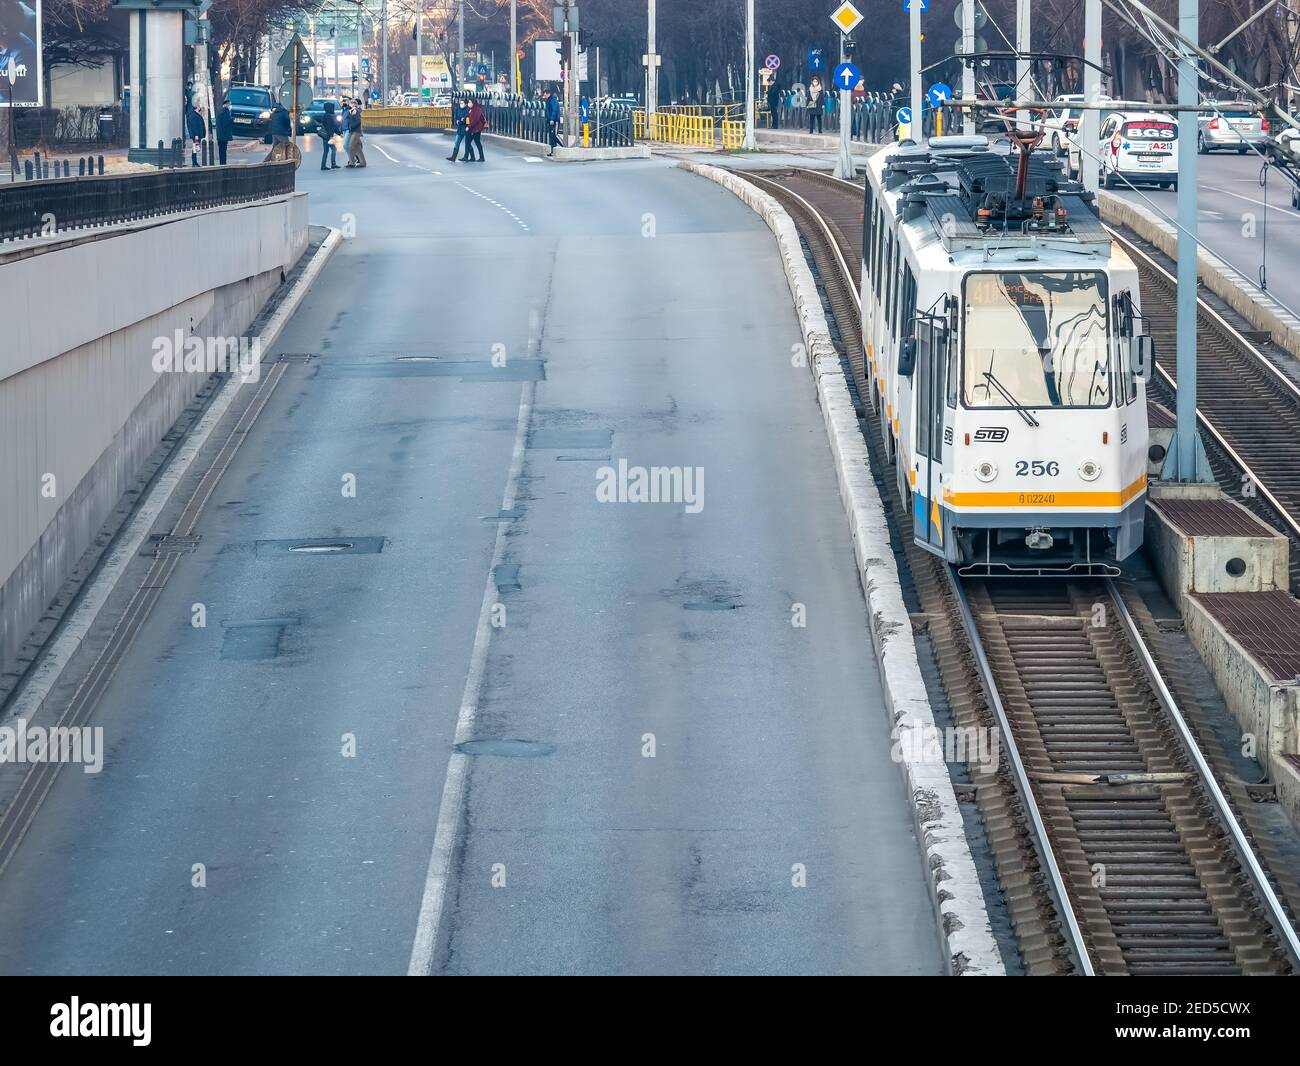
{"type": "Point", "coordinates": [1036, 340]}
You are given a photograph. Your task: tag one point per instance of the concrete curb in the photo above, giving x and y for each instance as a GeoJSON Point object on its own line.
{"type": "Point", "coordinates": [1256, 306]}
{"type": "Point", "coordinates": [954, 884]}
{"type": "Point", "coordinates": [30, 697]}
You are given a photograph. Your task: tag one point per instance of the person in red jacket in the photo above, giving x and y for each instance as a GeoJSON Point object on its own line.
{"type": "Point", "coordinates": [475, 124]}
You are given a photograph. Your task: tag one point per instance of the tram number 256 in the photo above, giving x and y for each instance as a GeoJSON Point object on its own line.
{"type": "Point", "coordinates": [1037, 467]}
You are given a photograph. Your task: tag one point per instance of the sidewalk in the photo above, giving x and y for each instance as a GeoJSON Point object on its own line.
{"type": "Point", "coordinates": [825, 142]}
{"type": "Point", "coordinates": [242, 151]}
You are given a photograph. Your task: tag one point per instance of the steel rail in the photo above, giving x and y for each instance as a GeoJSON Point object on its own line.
{"type": "Point", "coordinates": [1240, 841]}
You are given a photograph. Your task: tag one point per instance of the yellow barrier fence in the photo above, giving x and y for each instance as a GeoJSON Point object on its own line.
{"type": "Point", "coordinates": [670, 127]}
{"type": "Point", "coordinates": [732, 133]}
{"type": "Point", "coordinates": [415, 118]}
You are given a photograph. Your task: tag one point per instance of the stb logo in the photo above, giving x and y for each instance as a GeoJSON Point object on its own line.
{"type": "Point", "coordinates": [992, 434]}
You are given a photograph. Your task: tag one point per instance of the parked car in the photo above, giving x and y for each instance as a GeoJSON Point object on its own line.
{"type": "Point", "coordinates": [1060, 125]}
{"type": "Point", "coordinates": [250, 110]}
{"type": "Point", "coordinates": [1139, 146]}
{"type": "Point", "coordinates": [1234, 125]}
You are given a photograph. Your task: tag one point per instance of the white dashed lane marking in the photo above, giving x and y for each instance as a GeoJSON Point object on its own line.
{"type": "Point", "coordinates": [500, 207]}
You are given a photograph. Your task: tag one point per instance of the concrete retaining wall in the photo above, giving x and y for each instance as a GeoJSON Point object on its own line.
{"type": "Point", "coordinates": [81, 405]}
{"type": "Point", "coordinates": [950, 869]}
{"type": "Point", "coordinates": [1256, 306]}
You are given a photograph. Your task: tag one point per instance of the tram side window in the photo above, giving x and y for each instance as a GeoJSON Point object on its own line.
{"type": "Point", "coordinates": [923, 372]}
{"type": "Point", "coordinates": [868, 217]}
{"type": "Point", "coordinates": [1122, 308]}
{"type": "Point", "coordinates": [950, 340]}
{"type": "Point", "coordinates": [907, 304]}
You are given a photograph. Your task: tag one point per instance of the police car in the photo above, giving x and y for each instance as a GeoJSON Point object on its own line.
{"type": "Point", "coordinates": [1139, 146]}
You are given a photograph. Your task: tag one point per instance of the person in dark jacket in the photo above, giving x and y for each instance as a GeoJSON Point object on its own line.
{"type": "Point", "coordinates": [552, 120]}
{"type": "Point", "coordinates": [356, 148]}
{"type": "Point", "coordinates": [196, 129]}
{"type": "Point", "coordinates": [774, 104]}
{"type": "Point", "coordinates": [326, 131]}
{"type": "Point", "coordinates": [281, 127]}
{"type": "Point", "coordinates": [459, 115]}
{"type": "Point", "coordinates": [225, 130]}
{"type": "Point", "coordinates": [816, 105]}
{"type": "Point", "coordinates": [475, 124]}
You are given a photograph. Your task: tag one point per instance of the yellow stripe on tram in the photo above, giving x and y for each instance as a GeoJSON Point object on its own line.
{"type": "Point", "coordinates": [1045, 499]}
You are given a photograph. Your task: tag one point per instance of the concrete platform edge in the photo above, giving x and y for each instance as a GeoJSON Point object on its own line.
{"type": "Point", "coordinates": [950, 868]}
{"type": "Point", "coordinates": [54, 659]}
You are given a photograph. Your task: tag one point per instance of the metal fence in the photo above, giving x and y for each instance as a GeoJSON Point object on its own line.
{"type": "Point", "coordinates": [44, 208]}
{"type": "Point", "coordinates": [873, 118]}
{"type": "Point", "coordinates": [609, 125]}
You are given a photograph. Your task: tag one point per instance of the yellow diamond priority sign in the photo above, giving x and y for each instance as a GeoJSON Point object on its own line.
{"type": "Point", "coordinates": [846, 17]}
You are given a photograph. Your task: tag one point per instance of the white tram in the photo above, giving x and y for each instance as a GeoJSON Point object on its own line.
{"type": "Point", "coordinates": [1004, 345]}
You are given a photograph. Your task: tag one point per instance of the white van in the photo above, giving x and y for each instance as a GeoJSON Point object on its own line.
{"type": "Point", "coordinates": [1139, 146]}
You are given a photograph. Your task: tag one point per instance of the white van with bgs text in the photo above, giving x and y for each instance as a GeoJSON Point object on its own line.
{"type": "Point", "coordinates": [1139, 147]}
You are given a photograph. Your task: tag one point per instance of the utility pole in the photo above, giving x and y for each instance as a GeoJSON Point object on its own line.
{"type": "Point", "coordinates": [914, 21]}
{"type": "Point", "coordinates": [383, 46]}
{"type": "Point", "coordinates": [336, 37]}
{"type": "Point", "coordinates": [750, 143]}
{"type": "Point", "coordinates": [1089, 121]}
{"type": "Point", "coordinates": [514, 47]}
{"type": "Point", "coordinates": [651, 73]}
{"type": "Point", "coordinates": [968, 124]}
{"type": "Point", "coordinates": [460, 55]}
{"type": "Point", "coordinates": [1186, 460]}
{"type": "Point", "coordinates": [419, 52]}
{"type": "Point", "coordinates": [1023, 65]}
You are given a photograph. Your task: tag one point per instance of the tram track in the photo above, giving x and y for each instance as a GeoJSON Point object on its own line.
{"type": "Point", "coordinates": [1115, 847]}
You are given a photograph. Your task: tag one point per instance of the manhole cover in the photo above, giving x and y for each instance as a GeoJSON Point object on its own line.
{"type": "Point", "coordinates": [506, 747]}
{"type": "Point", "coordinates": [321, 546]}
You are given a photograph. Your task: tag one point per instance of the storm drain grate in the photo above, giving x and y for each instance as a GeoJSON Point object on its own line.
{"type": "Point", "coordinates": [167, 543]}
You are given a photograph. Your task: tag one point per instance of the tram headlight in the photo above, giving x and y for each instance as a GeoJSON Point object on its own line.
{"type": "Point", "coordinates": [1089, 469]}
{"type": "Point", "coordinates": [986, 470]}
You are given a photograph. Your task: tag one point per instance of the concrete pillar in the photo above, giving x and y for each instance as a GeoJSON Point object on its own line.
{"type": "Point", "coordinates": [157, 78]}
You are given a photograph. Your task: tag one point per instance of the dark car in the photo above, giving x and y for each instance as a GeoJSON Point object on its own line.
{"type": "Point", "coordinates": [315, 115]}
{"type": "Point", "coordinates": [250, 108]}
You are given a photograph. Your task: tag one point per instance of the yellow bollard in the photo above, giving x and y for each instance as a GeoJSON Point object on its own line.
{"type": "Point", "coordinates": [586, 135]}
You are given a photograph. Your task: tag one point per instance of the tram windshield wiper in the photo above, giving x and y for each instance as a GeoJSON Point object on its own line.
{"type": "Point", "coordinates": [1021, 409]}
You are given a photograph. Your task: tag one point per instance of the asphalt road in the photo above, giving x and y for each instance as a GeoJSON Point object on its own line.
{"type": "Point", "coordinates": [1235, 223]}
{"type": "Point", "coordinates": [642, 315]}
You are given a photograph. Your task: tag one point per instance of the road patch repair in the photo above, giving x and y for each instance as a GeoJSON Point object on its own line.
{"type": "Point", "coordinates": [963, 918]}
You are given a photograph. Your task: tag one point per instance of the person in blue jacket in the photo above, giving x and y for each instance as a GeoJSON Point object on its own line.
{"type": "Point", "coordinates": [552, 121]}
{"type": "Point", "coordinates": [459, 115]}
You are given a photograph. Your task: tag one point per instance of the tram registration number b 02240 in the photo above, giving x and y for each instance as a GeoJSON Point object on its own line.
{"type": "Point", "coordinates": [1037, 497]}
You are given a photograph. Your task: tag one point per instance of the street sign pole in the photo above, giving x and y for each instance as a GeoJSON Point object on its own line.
{"type": "Point", "coordinates": [750, 142]}
{"type": "Point", "coordinates": [383, 63]}
{"type": "Point", "coordinates": [845, 73]}
{"type": "Point", "coordinates": [514, 47]}
{"type": "Point", "coordinates": [914, 22]}
{"type": "Point", "coordinates": [651, 74]}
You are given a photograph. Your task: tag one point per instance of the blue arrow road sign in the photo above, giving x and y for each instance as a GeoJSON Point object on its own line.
{"type": "Point", "coordinates": [585, 108]}
{"type": "Point", "coordinates": [815, 59]}
{"type": "Point", "coordinates": [907, 4]}
{"type": "Point", "coordinates": [939, 94]}
{"type": "Point", "coordinates": [847, 76]}
{"type": "Point", "coordinates": [904, 116]}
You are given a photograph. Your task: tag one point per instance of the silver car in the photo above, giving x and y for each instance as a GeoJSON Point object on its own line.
{"type": "Point", "coordinates": [1233, 126]}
